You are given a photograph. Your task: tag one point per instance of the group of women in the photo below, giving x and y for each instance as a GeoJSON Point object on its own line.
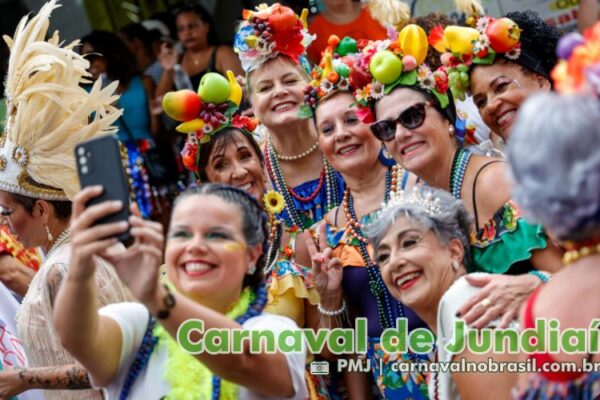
{"type": "Point", "coordinates": [286, 228]}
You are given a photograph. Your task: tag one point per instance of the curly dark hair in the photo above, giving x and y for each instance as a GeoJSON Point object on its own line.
{"type": "Point", "coordinates": [120, 62]}
{"type": "Point", "coordinates": [538, 41]}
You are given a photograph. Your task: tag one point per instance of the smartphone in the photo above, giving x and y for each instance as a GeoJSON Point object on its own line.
{"type": "Point", "coordinates": [99, 163]}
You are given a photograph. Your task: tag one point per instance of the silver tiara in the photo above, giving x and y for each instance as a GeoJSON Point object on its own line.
{"type": "Point", "coordinates": [414, 199]}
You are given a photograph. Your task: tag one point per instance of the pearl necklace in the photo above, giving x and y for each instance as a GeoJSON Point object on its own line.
{"type": "Point", "coordinates": [297, 156]}
{"type": "Point", "coordinates": [62, 239]}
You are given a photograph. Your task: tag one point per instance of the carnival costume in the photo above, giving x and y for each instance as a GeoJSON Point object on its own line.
{"type": "Point", "coordinates": [363, 287]}
{"type": "Point", "coordinates": [48, 114]}
{"type": "Point", "coordinates": [576, 73]}
{"type": "Point", "coordinates": [504, 243]}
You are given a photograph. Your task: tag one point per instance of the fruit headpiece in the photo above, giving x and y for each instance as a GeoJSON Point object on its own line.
{"type": "Point", "coordinates": [578, 71]}
{"type": "Point", "coordinates": [333, 74]}
{"type": "Point", "coordinates": [463, 46]}
{"type": "Point", "coordinates": [397, 61]}
{"type": "Point", "coordinates": [207, 112]}
{"type": "Point", "coordinates": [270, 31]}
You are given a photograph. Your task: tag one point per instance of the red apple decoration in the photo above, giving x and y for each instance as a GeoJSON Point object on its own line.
{"type": "Point", "coordinates": [282, 19]}
{"type": "Point", "coordinates": [504, 34]}
{"type": "Point", "coordinates": [182, 105]}
{"type": "Point", "coordinates": [359, 77]}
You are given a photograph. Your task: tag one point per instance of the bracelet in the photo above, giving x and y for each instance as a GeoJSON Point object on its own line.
{"type": "Point", "coordinates": [542, 276]}
{"type": "Point", "coordinates": [332, 313]}
{"type": "Point", "coordinates": [168, 302]}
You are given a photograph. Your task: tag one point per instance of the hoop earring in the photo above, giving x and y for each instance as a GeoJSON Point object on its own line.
{"type": "Point", "coordinates": [385, 158]}
{"type": "Point", "coordinates": [50, 237]}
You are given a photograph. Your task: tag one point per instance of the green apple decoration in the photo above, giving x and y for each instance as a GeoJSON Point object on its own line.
{"type": "Point", "coordinates": [346, 46]}
{"type": "Point", "coordinates": [214, 88]}
{"type": "Point", "coordinates": [386, 67]}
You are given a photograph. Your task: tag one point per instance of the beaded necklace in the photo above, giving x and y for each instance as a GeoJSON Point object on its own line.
{"type": "Point", "coordinates": [150, 340]}
{"type": "Point", "coordinates": [457, 173]}
{"type": "Point", "coordinates": [354, 229]}
{"type": "Point", "coordinates": [327, 177]}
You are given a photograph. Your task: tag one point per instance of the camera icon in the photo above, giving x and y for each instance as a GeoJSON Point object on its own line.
{"type": "Point", "coordinates": [319, 368]}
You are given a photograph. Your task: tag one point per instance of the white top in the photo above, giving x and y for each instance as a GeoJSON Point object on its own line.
{"type": "Point", "coordinates": [132, 318]}
{"type": "Point", "coordinates": [451, 301]}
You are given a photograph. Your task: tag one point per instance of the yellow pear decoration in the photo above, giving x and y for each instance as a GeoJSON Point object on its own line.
{"type": "Point", "coordinates": [460, 39]}
{"type": "Point", "coordinates": [413, 42]}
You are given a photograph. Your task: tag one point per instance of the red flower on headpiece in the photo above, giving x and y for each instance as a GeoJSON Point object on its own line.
{"type": "Point", "coordinates": [365, 114]}
{"type": "Point", "coordinates": [289, 41]}
{"type": "Point", "coordinates": [243, 122]}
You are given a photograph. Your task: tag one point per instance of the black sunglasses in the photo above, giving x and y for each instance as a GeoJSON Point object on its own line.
{"type": "Point", "coordinates": [411, 118]}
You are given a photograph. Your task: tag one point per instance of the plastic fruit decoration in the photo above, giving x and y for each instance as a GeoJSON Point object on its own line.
{"type": "Point", "coordinates": [214, 88]}
{"type": "Point", "coordinates": [386, 67]}
{"type": "Point", "coordinates": [282, 18]}
{"type": "Point", "coordinates": [413, 42]}
{"type": "Point", "coordinates": [236, 89]}
{"type": "Point", "coordinates": [182, 105]}
{"type": "Point", "coordinates": [504, 34]}
{"type": "Point", "coordinates": [460, 39]}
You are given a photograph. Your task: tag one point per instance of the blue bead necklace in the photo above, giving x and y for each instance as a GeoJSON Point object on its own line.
{"type": "Point", "coordinates": [149, 342]}
{"type": "Point", "coordinates": [457, 173]}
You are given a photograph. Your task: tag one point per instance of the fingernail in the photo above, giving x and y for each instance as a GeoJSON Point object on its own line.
{"type": "Point", "coordinates": [117, 203]}
{"type": "Point", "coordinates": [457, 314]}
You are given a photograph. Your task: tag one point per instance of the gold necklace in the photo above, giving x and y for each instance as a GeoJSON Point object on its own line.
{"type": "Point", "coordinates": [575, 254]}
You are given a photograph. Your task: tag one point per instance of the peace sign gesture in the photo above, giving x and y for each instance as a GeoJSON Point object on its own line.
{"type": "Point", "coordinates": [327, 269]}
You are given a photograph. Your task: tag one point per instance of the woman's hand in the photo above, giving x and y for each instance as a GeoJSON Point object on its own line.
{"type": "Point", "coordinates": [168, 56]}
{"type": "Point", "coordinates": [11, 384]}
{"type": "Point", "coordinates": [88, 240]}
{"type": "Point", "coordinates": [138, 265]}
{"type": "Point", "coordinates": [501, 297]}
{"type": "Point", "coordinates": [327, 269]}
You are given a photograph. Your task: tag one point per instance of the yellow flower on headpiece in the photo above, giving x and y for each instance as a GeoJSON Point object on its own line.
{"type": "Point", "coordinates": [274, 202]}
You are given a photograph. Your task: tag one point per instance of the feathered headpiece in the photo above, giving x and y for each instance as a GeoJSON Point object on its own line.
{"type": "Point", "coordinates": [578, 71]}
{"type": "Point", "coordinates": [397, 61]}
{"type": "Point", "coordinates": [207, 112]}
{"type": "Point", "coordinates": [463, 46]}
{"type": "Point", "coordinates": [48, 112]}
{"type": "Point", "coordinates": [333, 74]}
{"type": "Point", "coordinates": [270, 31]}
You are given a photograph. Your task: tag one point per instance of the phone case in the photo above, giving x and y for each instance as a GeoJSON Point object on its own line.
{"type": "Point", "coordinates": [99, 163]}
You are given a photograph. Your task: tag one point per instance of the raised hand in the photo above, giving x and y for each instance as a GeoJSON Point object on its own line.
{"type": "Point", "coordinates": [168, 56]}
{"type": "Point", "coordinates": [327, 270]}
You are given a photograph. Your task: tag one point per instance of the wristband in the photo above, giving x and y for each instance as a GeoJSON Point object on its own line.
{"type": "Point", "coordinates": [168, 303]}
{"type": "Point", "coordinates": [542, 276]}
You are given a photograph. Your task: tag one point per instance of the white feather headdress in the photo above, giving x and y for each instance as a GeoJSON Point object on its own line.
{"type": "Point", "coordinates": [48, 112]}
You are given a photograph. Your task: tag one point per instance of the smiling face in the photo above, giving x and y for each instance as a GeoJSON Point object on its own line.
{"type": "Point", "coordinates": [277, 92]}
{"type": "Point", "coordinates": [415, 266]}
{"type": "Point", "coordinates": [422, 148]}
{"type": "Point", "coordinates": [499, 90]}
{"type": "Point", "coordinates": [191, 30]}
{"type": "Point", "coordinates": [234, 161]}
{"type": "Point", "coordinates": [347, 143]}
{"type": "Point", "coordinates": [207, 257]}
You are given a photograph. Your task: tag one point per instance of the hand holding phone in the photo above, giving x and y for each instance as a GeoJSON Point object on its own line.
{"type": "Point", "coordinates": [99, 163]}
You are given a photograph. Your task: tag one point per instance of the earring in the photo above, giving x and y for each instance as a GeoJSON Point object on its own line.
{"type": "Point", "coordinates": [251, 269]}
{"type": "Point", "coordinates": [50, 237]}
{"type": "Point", "coordinates": [455, 265]}
{"type": "Point", "coordinates": [385, 157]}
{"type": "Point", "coordinates": [451, 130]}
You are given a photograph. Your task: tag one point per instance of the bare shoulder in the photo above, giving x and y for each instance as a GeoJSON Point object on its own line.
{"type": "Point", "coordinates": [488, 177]}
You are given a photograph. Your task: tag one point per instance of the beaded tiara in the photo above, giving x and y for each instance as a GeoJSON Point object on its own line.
{"type": "Point", "coordinates": [421, 199]}
{"type": "Point", "coordinates": [207, 112]}
{"type": "Point", "coordinates": [578, 71]}
{"type": "Point", "coordinates": [269, 31]}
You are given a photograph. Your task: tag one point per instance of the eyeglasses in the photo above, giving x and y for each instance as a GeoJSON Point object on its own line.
{"type": "Point", "coordinates": [411, 118]}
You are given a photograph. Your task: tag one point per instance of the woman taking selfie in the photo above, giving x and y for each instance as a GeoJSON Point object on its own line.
{"type": "Point", "coordinates": [214, 268]}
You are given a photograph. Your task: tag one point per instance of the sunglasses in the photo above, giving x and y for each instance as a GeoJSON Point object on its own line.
{"type": "Point", "coordinates": [411, 118]}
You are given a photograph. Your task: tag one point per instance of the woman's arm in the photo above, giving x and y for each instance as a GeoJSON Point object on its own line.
{"type": "Point", "coordinates": [228, 60]}
{"type": "Point", "coordinates": [154, 118]}
{"type": "Point", "coordinates": [67, 377]}
{"type": "Point", "coordinates": [16, 276]}
{"type": "Point", "coordinates": [588, 14]}
{"type": "Point", "coordinates": [168, 58]}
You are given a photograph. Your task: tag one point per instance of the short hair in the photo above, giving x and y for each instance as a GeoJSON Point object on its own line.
{"type": "Point", "coordinates": [62, 208]}
{"type": "Point", "coordinates": [452, 222]}
{"type": "Point", "coordinates": [553, 153]}
{"type": "Point", "coordinates": [254, 220]}
{"type": "Point", "coordinates": [218, 143]}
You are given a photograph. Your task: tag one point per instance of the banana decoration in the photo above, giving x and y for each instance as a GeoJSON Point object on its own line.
{"type": "Point", "coordinates": [191, 126]}
{"type": "Point", "coordinates": [236, 89]}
